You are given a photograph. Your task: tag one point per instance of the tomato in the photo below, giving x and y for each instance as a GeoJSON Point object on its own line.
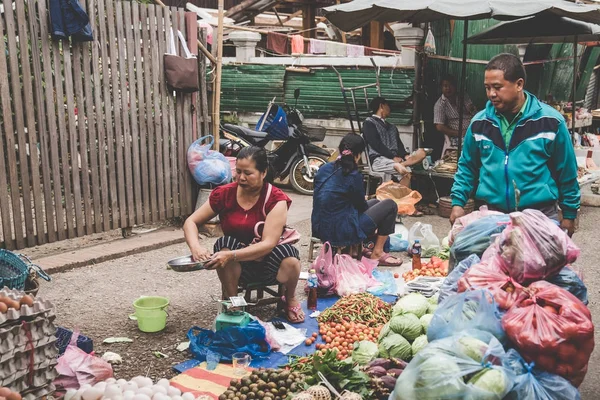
{"type": "Point", "coordinates": [580, 360]}
{"type": "Point", "coordinates": [315, 335]}
{"type": "Point", "coordinates": [327, 339]}
{"type": "Point", "coordinates": [396, 275]}
{"type": "Point", "coordinates": [566, 352]}
{"type": "Point", "coordinates": [308, 342]}
{"type": "Point", "coordinates": [550, 309]}
{"type": "Point", "coordinates": [546, 362]}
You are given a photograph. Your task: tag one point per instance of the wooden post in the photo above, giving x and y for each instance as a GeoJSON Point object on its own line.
{"type": "Point", "coordinates": [217, 86]}
{"type": "Point", "coordinates": [376, 35]}
{"type": "Point", "coordinates": [308, 21]}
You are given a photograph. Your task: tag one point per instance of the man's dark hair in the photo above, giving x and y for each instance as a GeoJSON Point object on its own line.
{"type": "Point", "coordinates": [449, 78]}
{"type": "Point", "coordinates": [376, 103]}
{"type": "Point", "coordinates": [510, 64]}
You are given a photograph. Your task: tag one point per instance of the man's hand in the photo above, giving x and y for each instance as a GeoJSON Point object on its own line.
{"type": "Point", "coordinates": [457, 212]}
{"type": "Point", "coordinates": [568, 225]}
{"type": "Point", "coordinates": [398, 159]}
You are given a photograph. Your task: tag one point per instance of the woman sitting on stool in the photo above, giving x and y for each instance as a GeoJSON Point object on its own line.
{"type": "Point", "coordinates": [341, 215]}
{"type": "Point", "coordinates": [240, 207]}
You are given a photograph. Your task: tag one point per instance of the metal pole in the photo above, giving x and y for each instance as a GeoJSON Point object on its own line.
{"type": "Point", "coordinates": [575, 67]}
{"type": "Point", "coordinates": [463, 87]}
{"type": "Point", "coordinates": [217, 87]}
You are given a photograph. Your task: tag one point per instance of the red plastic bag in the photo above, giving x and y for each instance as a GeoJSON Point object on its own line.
{"type": "Point", "coordinates": [554, 329]}
{"type": "Point", "coordinates": [462, 222]}
{"type": "Point", "coordinates": [534, 247]}
{"type": "Point", "coordinates": [76, 367]}
{"type": "Point", "coordinates": [491, 275]}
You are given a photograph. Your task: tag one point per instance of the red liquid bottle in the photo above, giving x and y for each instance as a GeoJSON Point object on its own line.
{"type": "Point", "coordinates": [313, 283]}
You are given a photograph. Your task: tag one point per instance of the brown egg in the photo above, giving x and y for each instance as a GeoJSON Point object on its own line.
{"type": "Point", "coordinates": [13, 304]}
{"type": "Point", "coordinates": [27, 300]}
{"type": "Point", "coordinates": [3, 309]}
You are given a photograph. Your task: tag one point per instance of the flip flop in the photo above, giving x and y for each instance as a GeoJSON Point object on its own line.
{"type": "Point", "coordinates": [383, 261]}
{"type": "Point", "coordinates": [296, 310]}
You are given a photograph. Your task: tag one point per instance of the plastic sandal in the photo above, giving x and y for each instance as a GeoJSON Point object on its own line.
{"type": "Point", "coordinates": [296, 310]}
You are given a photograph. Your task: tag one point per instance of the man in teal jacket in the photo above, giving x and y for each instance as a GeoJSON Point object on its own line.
{"type": "Point", "coordinates": [517, 152]}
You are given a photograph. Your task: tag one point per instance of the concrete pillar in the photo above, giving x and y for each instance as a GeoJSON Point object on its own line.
{"type": "Point", "coordinates": [407, 37]}
{"type": "Point", "coordinates": [245, 44]}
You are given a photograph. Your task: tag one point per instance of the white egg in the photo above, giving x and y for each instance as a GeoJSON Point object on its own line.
{"type": "Point", "coordinates": [112, 391]}
{"type": "Point", "coordinates": [110, 380]}
{"type": "Point", "coordinates": [130, 386]}
{"type": "Point", "coordinates": [173, 391]}
{"type": "Point", "coordinates": [70, 394]}
{"type": "Point", "coordinates": [100, 386]}
{"type": "Point", "coordinates": [92, 394]}
{"type": "Point", "coordinates": [146, 382]}
{"type": "Point", "coordinates": [137, 380]}
{"type": "Point", "coordinates": [188, 396]}
{"type": "Point", "coordinates": [160, 396]}
{"type": "Point", "coordinates": [129, 394]}
{"type": "Point", "coordinates": [141, 397]}
{"type": "Point", "coordinates": [159, 389]}
{"type": "Point", "coordinates": [118, 397]}
{"type": "Point", "coordinates": [121, 381]}
{"type": "Point", "coordinates": [176, 398]}
{"type": "Point", "coordinates": [145, 390]}
{"type": "Point", "coordinates": [85, 386]}
{"type": "Point", "coordinates": [163, 382]}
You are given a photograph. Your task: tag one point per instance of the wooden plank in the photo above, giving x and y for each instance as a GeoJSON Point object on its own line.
{"type": "Point", "coordinates": [135, 143]}
{"type": "Point", "coordinates": [8, 134]}
{"type": "Point", "coordinates": [181, 150]}
{"type": "Point", "coordinates": [117, 107]}
{"type": "Point", "coordinates": [107, 152]}
{"type": "Point", "coordinates": [24, 185]}
{"type": "Point", "coordinates": [93, 111]}
{"type": "Point", "coordinates": [154, 12]}
{"type": "Point", "coordinates": [82, 116]}
{"type": "Point", "coordinates": [163, 35]}
{"type": "Point", "coordinates": [148, 15]}
{"type": "Point", "coordinates": [173, 157]}
{"type": "Point", "coordinates": [188, 116]}
{"type": "Point", "coordinates": [47, 64]}
{"type": "Point", "coordinates": [125, 104]}
{"type": "Point", "coordinates": [139, 26]}
{"type": "Point", "coordinates": [204, 112]}
{"type": "Point", "coordinates": [36, 58]}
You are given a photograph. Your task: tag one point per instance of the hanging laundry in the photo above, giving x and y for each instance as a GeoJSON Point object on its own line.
{"type": "Point", "coordinates": [335, 49]}
{"type": "Point", "coordinates": [316, 46]}
{"type": "Point", "coordinates": [297, 44]}
{"type": "Point", "coordinates": [68, 19]}
{"type": "Point", "coordinates": [353, 50]}
{"type": "Point", "coordinates": [278, 43]}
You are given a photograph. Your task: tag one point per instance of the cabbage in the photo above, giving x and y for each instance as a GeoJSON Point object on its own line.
{"type": "Point", "coordinates": [384, 332]}
{"type": "Point", "coordinates": [445, 242]}
{"type": "Point", "coordinates": [439, 377]}
{"type": "Point", "coordinates": [414, 303]}
{"type": "Point", "coordinates": [473, 348]}
{"type": "Point", "coordinates": [395, 346]}
{"type": "Point", "coordinates": [425, 321]}
{"type": "Point", "coordinates": [407, 325]}
{"type": "Point", "coordinates": [492, 381]}
{"type": "Point", "coordinates": [431, 308]}
{"type": "Point", "coordinates": [364, 352]}
{"type": "Point", "coordinates": [417, 345]}
{"type": "Point", "coordinates": [434, 299]}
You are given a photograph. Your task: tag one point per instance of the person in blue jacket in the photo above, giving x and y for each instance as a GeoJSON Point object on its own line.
{"type": "Point", "coordinates": [341, 214]}
{"type": "Point", "coordinates": [517, 152]}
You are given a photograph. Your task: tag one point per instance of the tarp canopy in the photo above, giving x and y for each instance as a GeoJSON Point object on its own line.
{"type": "Point", "coordinates": [543, 28]}
{"type": "Point", "coordinates": [353, 15]}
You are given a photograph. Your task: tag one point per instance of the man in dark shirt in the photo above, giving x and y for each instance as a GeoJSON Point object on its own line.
{"type": "Point", "coordinates": [386, 151]}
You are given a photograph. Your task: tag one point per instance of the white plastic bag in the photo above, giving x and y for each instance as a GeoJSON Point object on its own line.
{"type": "Point", "coordinates": [424, 234]}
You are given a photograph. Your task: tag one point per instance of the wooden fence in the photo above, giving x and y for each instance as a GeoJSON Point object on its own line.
{"type": "Point", "coordinates": [92, 139]}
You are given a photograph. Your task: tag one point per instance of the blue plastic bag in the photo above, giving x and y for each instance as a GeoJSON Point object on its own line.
{"type": "Point", "coordinates": [249, 339]}
{"type": "Point", "coordinates": [450, 284]}
{"type": "Point", "coordinates": [388, 283]}
{"type": "Point", "coordinates": [208, 166]}
{"type": "Point", "coordinates": [533, 384]}
{"type": "Point", "coordinates": [569, 280]}
{"type": "Point", "coordinates": [397, 243]}
{"type": "Point", "coordinates": [474, 309]}
{"type": "Point", "coordinates": [476, 238]}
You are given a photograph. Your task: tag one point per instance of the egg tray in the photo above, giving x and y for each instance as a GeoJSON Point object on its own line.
{"type": "Point", "coordinates": [38, 393]}
{"type": "Point", "coordinates": [25, 313]}
{"type": "Point", "coordinates": [16, 335]}
{"type": "Point", "coordinates": [41, 378]}
{"type": "Point", "coordinates": [42, 357]}
{"type": "Point", "coordinates": [46, 341]}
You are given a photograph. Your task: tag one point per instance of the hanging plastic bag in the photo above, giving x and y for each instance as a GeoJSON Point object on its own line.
{"type": "Point", "coordinates": [491, 275]}
{"type": "Point", "coordinates": [534, 247]}
{"type": "Point", "coordinates": [533, 383]}
{"type": "Point", "coordinates": [323, 266]}
{"type": "Point", "coordinates": [249, 339]}
{"type": "Point", "coordinates": [475, 309]}
{"type": "Point", "coordinates": [353, 276]}
{"type": "Point", "coordinates": [387, 283]}
{"type": "Point", "coordinates": [464, 366]}
{"type": "Point", "coordinates": [424, 234]}
{"type": "Point", "coordinates": [429, 46]}
{"type": "Point", "coordinates": [76, 367]}
{"type": "Point", "coordinates": [406, 198]}
{"type": "Point", "coordinates": [476, 237]}
{"type": "Point", "coordinates": [450, 284]}
{"type": "Point", "coordinates": [397, 243]}
{"type": "Point", "coordinates": [553, 329]}
{"type": "Point", "coordinates": [462, 222]}
{"type": "Point", "coordinates": [569, 280]}
{"type": "Point", "coordinates": [208, 166]}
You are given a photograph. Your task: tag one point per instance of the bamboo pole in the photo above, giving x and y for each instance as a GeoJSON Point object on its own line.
{"type": "Point", "coordinates": [217, 85]}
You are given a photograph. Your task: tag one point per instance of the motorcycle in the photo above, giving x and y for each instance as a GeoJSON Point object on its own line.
{"type": "Point", "coordinates": [295, 157]}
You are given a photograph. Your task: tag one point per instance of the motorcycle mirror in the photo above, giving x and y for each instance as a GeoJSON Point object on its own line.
{"type": "Point", "coordinates": [296, 94]}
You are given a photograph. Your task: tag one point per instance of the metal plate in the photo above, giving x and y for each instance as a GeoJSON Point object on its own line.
{"type": "Point", "coordinates": [185, 264]}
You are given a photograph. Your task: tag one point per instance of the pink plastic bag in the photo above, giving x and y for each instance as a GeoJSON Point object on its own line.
{"type": "Point", "coordinates": [462, 222]}
{"type": "Point", "coordinates": [534, 247]}
{"type": "Point", "coordinates": [75, 367]}
{"type": "Point", "coordinates": [323, 266]}
{"type": "Point", "coordinates": [353, 276]}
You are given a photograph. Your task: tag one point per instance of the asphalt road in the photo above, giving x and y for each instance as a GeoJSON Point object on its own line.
{"type": "Point", "coordinates": [97, 299]}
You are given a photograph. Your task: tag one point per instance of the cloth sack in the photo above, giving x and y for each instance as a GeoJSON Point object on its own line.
{"type": "Point", "coordinates": [181, 73]}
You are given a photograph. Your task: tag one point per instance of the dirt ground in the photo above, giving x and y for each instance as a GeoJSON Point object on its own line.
{"type": "Point", "coordinates": [98, 299]}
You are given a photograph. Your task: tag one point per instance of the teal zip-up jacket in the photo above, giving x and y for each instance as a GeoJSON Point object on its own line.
{"type": "Point", "coordinates": [539, 162]}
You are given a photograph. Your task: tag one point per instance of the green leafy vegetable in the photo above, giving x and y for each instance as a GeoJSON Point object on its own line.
{"type": "Point", "coordinates": [407, 325]}
{"type": "Point", "coordinates": [364, 352]}
{"type": "Point", "coordinates": [414, 303]}
{"type": "Point", "coordinates": [493, 381]}
{"type": "Point", "coordinates": [395, 346]}
{"type": "Point", "coordinates": [419, 344]}
{"type": "Point", "coordinates": [425, 321]}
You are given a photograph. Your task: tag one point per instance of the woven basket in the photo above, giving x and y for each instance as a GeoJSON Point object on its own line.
{"type": "Point", "coordinates": [13, 270]}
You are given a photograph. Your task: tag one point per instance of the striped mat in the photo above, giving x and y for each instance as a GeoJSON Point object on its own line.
{"type": "Point", "coordinates": [201, 382]}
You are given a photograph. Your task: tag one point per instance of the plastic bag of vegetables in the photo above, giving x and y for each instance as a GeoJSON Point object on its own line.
{"type": "Point", "coordinates": [462, 222]}
{"type": "Point", "coordinates": [450, 284]}
{"type": "Point", "coordinates": [474, 309]}
{"type": "Point", "coordinates": [534, 247]}
{"type": "Point", "coordinates": [534, 384]}
{"type": "Point", "coordinates": [570, 280]}
{"type": "Point", "coordinates": [476, 237]}
{"type": "Point", "coordinates": [554, 329]}
{"type": "Point", "coordinates": [491, 275]}
{"type": "Point", "coordinates": [463, 366]}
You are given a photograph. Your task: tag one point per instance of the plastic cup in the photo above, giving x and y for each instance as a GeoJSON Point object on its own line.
{"type": "Point", "coordinates": [241, 362]}
{"type": "Point", "coordinates": [212, 360]}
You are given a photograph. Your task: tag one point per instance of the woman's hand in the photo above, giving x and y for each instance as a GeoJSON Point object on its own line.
{"type": "Point", "coordinates": [200, 254]}
{"type": "Point", "coordinates": [219, 260]}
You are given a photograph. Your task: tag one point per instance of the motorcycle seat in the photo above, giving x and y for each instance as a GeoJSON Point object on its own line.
{"type": "Point", "coordinates": [240, 130]}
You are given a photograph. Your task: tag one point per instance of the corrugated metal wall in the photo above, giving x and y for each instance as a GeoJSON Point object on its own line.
{"type": "Point", "coordinates": [249, 88]}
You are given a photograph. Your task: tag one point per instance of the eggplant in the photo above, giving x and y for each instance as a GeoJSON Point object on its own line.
{"type": "Point", "coordinates": [376, 371]}
{"type": "Point", "coordinates": [388, 382]}
{"type": "Point", "coordinates": [397, 363]}
{"type": "Point", "coordinates": [380, 362]}
{"type": "Point", "coordinates": [395, 372]}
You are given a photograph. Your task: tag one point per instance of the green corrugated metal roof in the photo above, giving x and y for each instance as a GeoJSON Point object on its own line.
{"type": "Point", "coordinates": [249, 88]}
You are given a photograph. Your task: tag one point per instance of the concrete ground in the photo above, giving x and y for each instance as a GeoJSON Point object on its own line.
{"type": "Point", "coordinates": [97, 299]}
